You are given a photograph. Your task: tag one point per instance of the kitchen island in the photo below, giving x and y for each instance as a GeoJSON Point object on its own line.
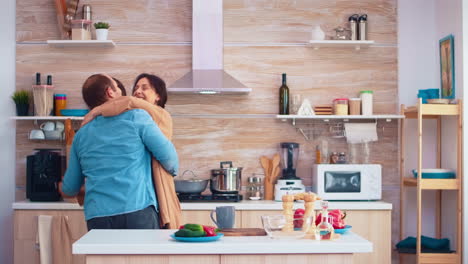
{"type": "Point", "coordinates": [156, 246]}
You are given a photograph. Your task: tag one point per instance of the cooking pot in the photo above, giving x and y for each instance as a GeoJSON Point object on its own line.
{"type": "Point", "coordinates": [192, 185]}
{"type": "Point", "coordinates": [225, 180]}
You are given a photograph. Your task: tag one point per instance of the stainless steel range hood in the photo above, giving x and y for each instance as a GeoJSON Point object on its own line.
{"type": "Point", "coordinates": [207, 75]}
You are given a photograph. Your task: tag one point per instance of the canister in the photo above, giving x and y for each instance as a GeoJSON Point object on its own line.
{"type": "Point", "coordinates": [81, 29]}
{"type": "Point", "coordinates": [366, 102]}
{"type": "Point", "coordinates": [341, 106]}
{"type": "Point", "coordinates": [60, 103]}
{"type": "Point", "coordinates": [354, 106]}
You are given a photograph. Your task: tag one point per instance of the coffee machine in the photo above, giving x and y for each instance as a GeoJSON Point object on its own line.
{"type": "Point", "coordinates": [43, 172]}
{"type": "Point", "coordinates": [289, 183]}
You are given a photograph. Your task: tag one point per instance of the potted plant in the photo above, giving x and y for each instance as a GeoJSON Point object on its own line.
{"type": "Point", "coordinates": [21, 99]}
{"type": "Point", "coordinates": [102, 29]}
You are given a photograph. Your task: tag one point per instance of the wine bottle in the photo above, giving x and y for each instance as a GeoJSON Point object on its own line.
{"type": "Point", "coordinates": [284, 97]}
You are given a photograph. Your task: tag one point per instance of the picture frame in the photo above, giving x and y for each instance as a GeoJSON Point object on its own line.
{"type": "Point", "coordinates": [447, 67]}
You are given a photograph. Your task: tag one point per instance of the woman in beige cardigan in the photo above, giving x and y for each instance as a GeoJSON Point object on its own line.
{"type": "Point", "coordinates": [150, 95]}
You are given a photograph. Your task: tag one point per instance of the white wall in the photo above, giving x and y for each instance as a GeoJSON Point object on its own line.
{"type": "Point", "coordinates": [421, 24]}
{"type": "Point", "coordinates": [7, 128]}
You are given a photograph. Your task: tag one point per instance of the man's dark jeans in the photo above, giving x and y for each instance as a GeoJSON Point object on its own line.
{"type": "Point", "coordinates": [143, 219]}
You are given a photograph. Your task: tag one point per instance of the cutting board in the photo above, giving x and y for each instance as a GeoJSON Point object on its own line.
{"type": "Point", "coordinates": [243, 232]}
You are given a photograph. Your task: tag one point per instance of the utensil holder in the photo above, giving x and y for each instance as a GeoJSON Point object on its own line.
{"type": "Point", "coordinates": [43, 99]}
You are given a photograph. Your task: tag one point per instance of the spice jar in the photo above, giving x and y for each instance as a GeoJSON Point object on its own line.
{"type": "Point", "coordinates": [60, 101]}
{"type": "Point", "coordinates": [81, 29]}
{"type": "Point", "coordinates": [341, 106]}
{"type": "Point", "coordinates": [255, 188]}
{"type": "Point", "coordinates": [354, 106]}
{"type": "Point", "coordinates": [334, 158]}
{"type": "Point", "coordinates": [366, 101]}
{"type": "Point", "coordinates": [341, 158]}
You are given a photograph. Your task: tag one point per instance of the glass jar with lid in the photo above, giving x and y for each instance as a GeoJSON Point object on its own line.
{"type": "Point", "coordinates": [81, 29]}
{"type": "Point", "coordinates": [341, 106]}
{"type": "Point", "coordinates": [255, 189]}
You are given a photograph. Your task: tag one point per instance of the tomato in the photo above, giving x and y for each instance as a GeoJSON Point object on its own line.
{"type": "Point", "coordinates": [298, 218]}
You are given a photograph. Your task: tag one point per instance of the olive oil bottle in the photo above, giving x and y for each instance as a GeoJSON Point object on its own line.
{"type": "Point", "coordinates": [284, 97]}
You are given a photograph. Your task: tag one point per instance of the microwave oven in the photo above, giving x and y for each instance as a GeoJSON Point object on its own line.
{"type": "Point", "coordinates": [347, 181]}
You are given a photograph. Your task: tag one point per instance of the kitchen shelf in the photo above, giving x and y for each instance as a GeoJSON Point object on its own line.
{"type": "Point", "coordinates": [343, 117]}
{"type": "Point", "coordinates": [223, 116]}
{"type": "Point", "coordinates": [81, 43]}
{"type": "Point", "coordinates": [356, 44]}
{"type": "Point", "coordinates": [433, 184]}
{"type": "Point", "coordinates": [432, 111]}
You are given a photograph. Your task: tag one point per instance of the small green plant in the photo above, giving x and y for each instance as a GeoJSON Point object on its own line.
{"type": "Point", "coordinates": [101, 25]}
{"type": "Point", "coordinates": [21, 97]}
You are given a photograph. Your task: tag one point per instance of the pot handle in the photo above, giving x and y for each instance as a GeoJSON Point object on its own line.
{"type": "Point", "coordinates": [212, 218]}
{"type": "Point", "coordinates": [225, 163]}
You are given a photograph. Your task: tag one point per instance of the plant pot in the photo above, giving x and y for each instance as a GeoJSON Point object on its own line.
{"type": "Point", "coordinates": [101, 34]}
{"type": "Point", "coordinates": [22, 109]}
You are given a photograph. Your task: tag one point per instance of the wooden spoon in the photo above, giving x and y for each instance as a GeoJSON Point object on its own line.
{"type": "Point", "coordinates": [276, 167]}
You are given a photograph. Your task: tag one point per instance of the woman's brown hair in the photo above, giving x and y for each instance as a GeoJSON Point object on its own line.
{"type": "Point", "coordinates": [157, 84]}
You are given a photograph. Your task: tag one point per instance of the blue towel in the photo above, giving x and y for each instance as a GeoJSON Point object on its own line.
{"type": "Point", "coordinates": [428, 244]}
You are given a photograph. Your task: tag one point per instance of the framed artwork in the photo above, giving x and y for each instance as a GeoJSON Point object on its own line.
{"type": "Point", "coordinates": [447, 67]}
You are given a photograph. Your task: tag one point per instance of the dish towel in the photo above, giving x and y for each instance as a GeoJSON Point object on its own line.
{"type": "Point", "coordinates": [61, 240]}
{"type": "Point", "coordinates": [44, 226]}
{"type": "Point", "coordinates": [360, 132]}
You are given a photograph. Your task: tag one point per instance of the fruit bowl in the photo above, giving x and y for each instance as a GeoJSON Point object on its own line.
{"type": "Point", "coordinates": [274, 226]}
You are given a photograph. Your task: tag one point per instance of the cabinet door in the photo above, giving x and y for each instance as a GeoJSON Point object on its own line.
{"type": "Point", "coordinates": [25, 232]}
{"type": "Point", "coordinates": [374, 226]}
{"type": "Point", "coordinates": [203, 218]}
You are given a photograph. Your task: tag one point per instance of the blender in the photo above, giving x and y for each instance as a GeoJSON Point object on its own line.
{"type": "Point", "coordinates": [289, 183]}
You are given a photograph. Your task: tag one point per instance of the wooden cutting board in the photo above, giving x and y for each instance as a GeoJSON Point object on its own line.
{"type": "Point", "coordinates": [243, 232]}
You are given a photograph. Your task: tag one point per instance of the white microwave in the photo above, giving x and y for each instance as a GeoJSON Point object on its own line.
{"type": "Point", "coordinates": [347, 181]}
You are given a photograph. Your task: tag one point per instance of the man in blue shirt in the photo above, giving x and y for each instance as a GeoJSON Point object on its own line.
{"type": "Point", "coordinates": [114, 155]}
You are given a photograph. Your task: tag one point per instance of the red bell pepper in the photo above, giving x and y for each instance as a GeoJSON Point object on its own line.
{"type": "Point", "coordinates": [210, 230]}
{"type": "Point", "coordinates": [298, 218]}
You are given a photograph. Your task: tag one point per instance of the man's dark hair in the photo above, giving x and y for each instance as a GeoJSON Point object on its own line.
{"type": "Point", "coordinates": [94, 90]}
{"type": "Point", "coordinates": [157, 84]}
{"type": "Point", "coordinates": [120, 86]}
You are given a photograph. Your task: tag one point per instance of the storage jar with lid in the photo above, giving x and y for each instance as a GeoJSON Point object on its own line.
{"type": "Point", "coordinates": [366, 102]}
{"type": "Point", "coordinates": [354, 106]}
{"type": "Point", "coordinates": [255, 189]}
{"type": "Point", "coordinates": [60, 103]}
{"type": "Point", "coordinates": [341, 106]}
{"type": "Point", "coordinates": [81, 29]}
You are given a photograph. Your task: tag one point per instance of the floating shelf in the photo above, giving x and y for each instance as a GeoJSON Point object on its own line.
{"type": "Point", "coordinates": [81, 43]}
{"type": "Point", "coordinates": [342, 117]}
{"type": "Point", "coordinates": [356, 44]}
{"type": "Point", "coordinates": [35, 118]}
{"type": "Point", "coordinates": [224, 116]}
{"type": "Point", "coordinates": [432, 110]}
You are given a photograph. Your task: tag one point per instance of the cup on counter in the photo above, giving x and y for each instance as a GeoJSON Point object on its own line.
{"type": "Point", "coordinates": [36, 134]}
{"type": "Point", "coordinates": [225, 216]}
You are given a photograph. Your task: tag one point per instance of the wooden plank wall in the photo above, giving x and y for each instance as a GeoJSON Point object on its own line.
{"type": "Point", "coordinates": [155, 36]}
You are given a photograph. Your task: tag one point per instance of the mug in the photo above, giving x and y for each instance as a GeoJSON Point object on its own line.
{"type": "Point", "coordinates": [225, 216]}
{"type": "Point", "coordinates": [47, 126]}
{"type": "Point", "coordinates": [59, 126]}
{"type": "Point", "coordinates": [36, 134]}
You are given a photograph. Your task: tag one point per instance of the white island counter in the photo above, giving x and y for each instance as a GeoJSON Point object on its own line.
{"type": "Point", "coordinates": [155, 246]}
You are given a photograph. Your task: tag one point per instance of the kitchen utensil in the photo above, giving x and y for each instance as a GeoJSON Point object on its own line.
{"type": "Point", "coordinates": [225, 216]}
{"type": "Point", "coordinates": [353, 26]}
{"type": "Point", "coordinates": [74, 112]}
{"type": "Point", "coordinates": [36, 134]}
{"type": "Point", "coordinates": [435, 174]}
{"type": "Point", "coordinates": [343, 230]}
{"type": "Point", "coordinates": [192, 185]}
{"type": "Point", "coordinates": [342, 33]}
{"type": "Point", "coordinates": [268, 182]}
{"type": "Point", "coordinates": [225, 180]}
{"type": "Point", "coordinates": [86, 12]}
{"type": "Point", "coordinates": [60, 10]}
{"type": "Point", "coordinates": [289, 183]}
{"type": "Point", "coordinates": [243, 232]}
{"type": "Point", "coordinates": [43, 172]}
{"type": "Point", "coordinates": [362, 27]}
{"type": "Point", "coordinates": [198, 239]}
{"type": "Point", "coordinates": [276, 167]}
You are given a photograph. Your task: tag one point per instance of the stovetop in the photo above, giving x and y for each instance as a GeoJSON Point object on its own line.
{"type": "Point", "coordinates": [209, 197]}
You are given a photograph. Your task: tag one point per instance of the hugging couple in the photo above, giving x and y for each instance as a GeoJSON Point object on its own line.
{"type": "Point", "coordinates": [123, 156]}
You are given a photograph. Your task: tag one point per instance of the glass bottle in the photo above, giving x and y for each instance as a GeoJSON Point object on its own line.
{"type": "Point", "coordinates": [284, 97]}
{"type": "Point", "coordinates": [325, 228]}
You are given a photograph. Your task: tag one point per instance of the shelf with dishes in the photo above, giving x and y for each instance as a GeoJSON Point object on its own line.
{"type": "Point", "coordinates": [356, 44]}
{"type": "Point", "coordinates": [432, 184]}
{"type": "Point", "coordinates": [223, 116]}
{"type": "Point", "coordinates": [81, 43]}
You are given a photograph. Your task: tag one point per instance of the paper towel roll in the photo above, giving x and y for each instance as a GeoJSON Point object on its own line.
{"type": "Point", "coordinates": [360, 132]}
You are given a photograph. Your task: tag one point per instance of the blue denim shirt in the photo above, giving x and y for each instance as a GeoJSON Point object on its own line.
{"type": "Point", "coordinates": [113, 154]}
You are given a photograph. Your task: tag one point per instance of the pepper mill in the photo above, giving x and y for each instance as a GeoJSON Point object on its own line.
{"type": "Point", "coordinates": [363, 27]}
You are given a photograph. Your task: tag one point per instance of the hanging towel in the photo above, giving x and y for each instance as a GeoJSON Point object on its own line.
{"type": "Point", "coordinates": [360, 132]}
{"type": "Point", "coordinates": [43, 238]}
{"type": "Point", "coordinates": [170, 213]}
{"type": "Point", "coordinates": [61, 240]}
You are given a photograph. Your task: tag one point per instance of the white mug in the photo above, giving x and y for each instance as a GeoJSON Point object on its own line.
{"type": "Point", "coordinates": [36, 134]}
{"type": "Point", "coordinates": [47, 126]}
{"type": "Point", "coordinates": [59, 126]}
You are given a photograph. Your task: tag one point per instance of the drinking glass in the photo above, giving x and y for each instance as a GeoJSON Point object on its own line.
{"type": "Point", "coordinates": [296, 103]}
